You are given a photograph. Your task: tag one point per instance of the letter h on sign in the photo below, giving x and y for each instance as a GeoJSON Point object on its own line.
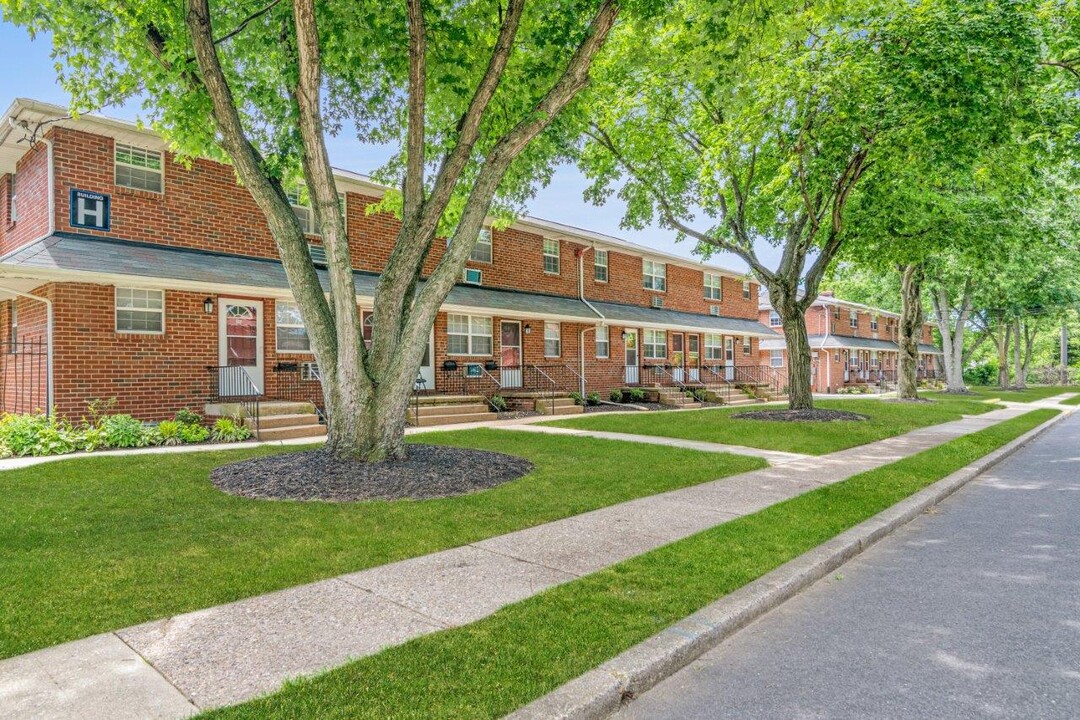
{"type": "Point", "coordinates": [89, 210]}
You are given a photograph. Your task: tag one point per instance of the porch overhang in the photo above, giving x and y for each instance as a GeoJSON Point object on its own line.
{"type": "Point", "coordinates": [839, 342]}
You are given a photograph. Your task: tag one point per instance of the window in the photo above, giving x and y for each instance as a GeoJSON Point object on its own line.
{"type": "Point", "coordinates": [551, 256]}
{"type": "Point", "coordinates": [602, 344]}
{"type": "Point", "coordinates": [854, 360]}
{"type": "Point", "coordinates": [600, 266]}
{"type": "Point", "coordinates": [776, 358]}
{"type": "Point", "coordinates": [368, 321]}
{"type": "Point", "coordinates": [291, 335]}
{"type": "Point", "coordinates": [873, 359]}
{"type": "Point", "coordinates": [853, 318]}
{"type": "Point", "coordinates": [874, 323]}
{"type": "Point", "coordinates": [140, 311]}
{"type": "Point", "coordinates": [468, 335]}
{"type": "Point", "coordinates": [552, 339]}
{"type": "Point", "coordinates": [13, 212]}
{"type": "Point", "coordinates": [138, 168]}
{"type": "Point", "coordinates": [774, 319]}
{"type": "Point", "coordinates": [713, 291]}
{"type": "Point", "coordinates": [745, 344]}
{"type": "Point", "coordinates": [714, 349]}
{"type": "Point", "coordinates": [301, 205]}
{"type": "Point", "coordinates": [656, 344]}
{"type": "Point", "coordinates": [654, 275]}
{"type": "Point", "coordinates": [481, 251]}
{"type": "Point", "coordinates": [746, 289]}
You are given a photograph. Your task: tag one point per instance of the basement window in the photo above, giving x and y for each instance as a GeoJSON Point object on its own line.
{"type": "Point", "coordinates": [138, 168]}
{"type": "Point", "coordinates": [140, 311]}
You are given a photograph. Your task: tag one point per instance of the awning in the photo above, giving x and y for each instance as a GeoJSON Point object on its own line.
{"type": "Point", "coordinates": [833, 342]}
{"type": "Point", "coordinates": [74, 257]}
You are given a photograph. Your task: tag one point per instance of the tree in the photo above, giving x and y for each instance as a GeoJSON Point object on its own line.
{"type": "Point", "coordinates": [765, 122]}
{"type": "Point", "coordinates": [479, 96]}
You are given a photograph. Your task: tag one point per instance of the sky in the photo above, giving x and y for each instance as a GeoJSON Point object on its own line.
{"type": "Point", "coordinates": [32, 76]}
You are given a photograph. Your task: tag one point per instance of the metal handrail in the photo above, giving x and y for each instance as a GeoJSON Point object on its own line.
{"type": "Point", "coordinates": [722, 381]}
{"type": "Point", "coordinates": [551, 380]}
{"type": "Point", "coordinates": [235, 379]}
{"type": "Point", "coordinates": [490, 396]}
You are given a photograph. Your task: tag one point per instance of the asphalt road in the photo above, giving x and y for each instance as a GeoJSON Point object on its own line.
{"type": "Point", "coordinates": [970, 611]}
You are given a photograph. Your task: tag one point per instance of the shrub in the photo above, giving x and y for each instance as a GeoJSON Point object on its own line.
{"type": "Point", "coordinates": [637, 395]}
{"type": "Point", "coordinates": [168, 432]}
{"type": "Point", "coordinates": [701, 394]}
{"type": "Point", "coordinates": [187, 417]}
{"type": "Point", "coordinates": [593, 398]}
{"type": "Point", "coordinates": [37, 434]}
{"type": "Point", "coordinates": [576, 397]}
{"type": "Point", "coordinates": [193, 433]}
{"type": "Point", "coordinates": [124, 431]}
{"type": "Point", "coordinates": [499, 403]}
{"type": "Point", "coordinates": [984, 374]}
{"type": "Point", "coordinates": [228, 430]}
{"type": "Point", "coordinates": [616, 396]}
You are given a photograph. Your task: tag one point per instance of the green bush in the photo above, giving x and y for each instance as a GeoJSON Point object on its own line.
{"type": "Point", "coordinates": [499, 403]}
{"type": "Point", "coordinates": [984, 374]}
{"type": "Point", "coordinates": [124, 431]}
{"type": "Point", "coordinates": [593, 398]}
{"type": "Point", "coordinates": [616, 396]}
{"type": "Point", "coordinates": [576, 397]}
{"type": "Point", "coordinates": [187, 417]}
{"type": "Point", "coordinates": [168, 432]}
{"type": "Point", "coordinates": [194, 433]}
{"type": "Point", "coordinates": [228, 430]}
{"type": "Point", "coordinates": [637, 395]}
{"type": "Point", "coordinates": [37, 434]}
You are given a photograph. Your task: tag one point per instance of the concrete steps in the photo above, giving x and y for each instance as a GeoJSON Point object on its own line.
{"type": "Point", "coordinates": [278, 419]}
{"type": "Point", "coordinates": [426, 411]}
{"type": "Point", "coordinates": [564, 405]}
{"type": "Point", "coordinates": [676, 398]}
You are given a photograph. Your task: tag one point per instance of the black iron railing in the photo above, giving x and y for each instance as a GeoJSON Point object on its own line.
{"type": "Point", "coordinates": [24, 376]}
{"type": "Point", "coordinates": [296, 383]}
{"type": "Point", "coordinates": [760, 377]}
{"type": "Point", "coordinates": [232, 384]}
{"type": "Point", "coordinates": [719, 380]}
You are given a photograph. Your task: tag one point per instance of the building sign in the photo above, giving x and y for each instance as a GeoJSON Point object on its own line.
{"type": "Point", "coordinates": [473, 370]}
{"type": "Point", "coordinates": [89, 210]}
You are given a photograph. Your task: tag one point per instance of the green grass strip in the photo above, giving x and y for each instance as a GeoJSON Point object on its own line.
{"type": "Point", "coordinates": [886, 419]}
{"type": "Point", "coordinates": [1031, 394]}
{"type": "Point", "coordinates": [528, 649]}
{"type": "Point", "coordinates": [1074, 400]}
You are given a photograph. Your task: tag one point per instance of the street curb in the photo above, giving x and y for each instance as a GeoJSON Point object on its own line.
{"type": "Point", "coordinates": [605, 689]}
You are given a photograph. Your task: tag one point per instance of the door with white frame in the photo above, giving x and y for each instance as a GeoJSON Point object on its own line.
{"type": "Point", "coordinates": [632, 374]}
{"type": "Point", "coordinates": [240, 348]}
{"type": "Point", "coordinates": [729, 358]}
{"type": "Point", "coordinates": [693, 357]}
{"type": "Point", "coordinates": [510, 354]}
{"type": "Point", "coordinates": [425, 378]}
{"type": "Point", "coordinates": [678, 357]}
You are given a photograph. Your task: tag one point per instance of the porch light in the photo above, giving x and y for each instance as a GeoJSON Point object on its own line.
{"type": "Point", "coordinates": [625, 335]}
{"type": "Point", "coordinates": [208, 305]}
{"type": "Point", "coordinates": [528, 329]}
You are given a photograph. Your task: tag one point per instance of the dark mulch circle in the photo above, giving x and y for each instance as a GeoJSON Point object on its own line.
{"type": "Point", "coordinates": [429, 471]}
{"type": "Point", "coordinates": [800, 415]}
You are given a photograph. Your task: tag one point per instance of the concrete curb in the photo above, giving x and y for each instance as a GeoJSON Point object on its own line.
{"type": "Point", "coordinates": [603, 690]}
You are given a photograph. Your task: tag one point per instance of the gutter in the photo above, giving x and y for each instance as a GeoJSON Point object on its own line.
{"type": "Point", "coordinates": [580, 252]}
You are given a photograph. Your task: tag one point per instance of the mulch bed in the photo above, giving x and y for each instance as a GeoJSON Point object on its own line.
{"type": "Point", "coordinates": [800, 415]}
{"type": "Point", "coordinates": [429, 471]}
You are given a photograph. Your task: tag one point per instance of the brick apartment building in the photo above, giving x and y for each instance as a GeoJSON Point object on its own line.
{"type": "Point", "coordinates": [851, 344]}
{"type": "Point", "coordinates": [160, 277]}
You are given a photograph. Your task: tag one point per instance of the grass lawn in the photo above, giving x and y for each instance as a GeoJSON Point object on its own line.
{"type": "Point", "coordinates": [1074, 400]}
{"type": "Point", "coordinates": [98, 544]}
{"type": "Point", "coordinates": [525, 650]}
{"type": "Point", "coordinates": [716, 425]}
{"type": "Point", "coordinates": [1030, 395]}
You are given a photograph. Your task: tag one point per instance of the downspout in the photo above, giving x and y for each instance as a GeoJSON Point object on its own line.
{"type": "Point", "coordinates": [821, 347]}
{"type": "Point", "coordinates": [580, 252]}
{"type": "Point", "coordinates": [49, 318]}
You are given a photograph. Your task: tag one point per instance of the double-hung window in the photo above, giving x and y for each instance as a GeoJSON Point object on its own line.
{"type": "Point", "coordinates": [551, 256]}
{"type": "Point", "coordinates": [656, 344]}
{"type": "Point", "coordinates": [853, 318]}
{"type": "Point", "coordinates": [874, 323]}
{"type": "Point", "coordinates": [774, 319]}
{"type": "Point", "coordinates": [301, 204]}
{"type": "Point", "coordinates": [654, 275]}
{"type": "Point", "coordinates": [745, 344]}
{"type": "Point", "coordinates": [140, 311]}
{"type": "Point", "coordinates": [290, 333]}
{"type": "Point", "coordinates": [603, 347]}
{"type": "Point", "coordinates": [714, 347]}
{"type": "Point", "coordinates": [713, 290]}
{"type": "Point", "coordinates": [776, 358]}
{"type": "Point", "coordinates": [138, 168]}
{"type": "Point", "coordinates": [468, 335]}
{"type": "Point", "coordinates": [746, 289]}
{"type": "Point", "coordinates": [552, 339]}
{"type": "Point", "coordinates": [600, 266]}
{"type": "Point", "coordinates": [481, 251]}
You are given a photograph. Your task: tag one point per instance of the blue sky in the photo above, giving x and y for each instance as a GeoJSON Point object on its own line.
{"type": "Point", "coordinates": [33, 76]}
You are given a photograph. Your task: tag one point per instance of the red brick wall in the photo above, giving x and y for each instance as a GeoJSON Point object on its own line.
{"type": "Point", "coordinates": [32, 172]}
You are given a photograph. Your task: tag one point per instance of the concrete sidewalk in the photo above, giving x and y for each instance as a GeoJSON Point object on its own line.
{"type": "Point", "coordinates": [223, 655]}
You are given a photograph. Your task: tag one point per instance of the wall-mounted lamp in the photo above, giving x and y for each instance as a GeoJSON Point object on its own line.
{"type": "Point", "coordinates": [625, 335]}
{"type": "Point", "coordinates": [208, 305]}
{"type": "Point", "coordinates": [528, 328]}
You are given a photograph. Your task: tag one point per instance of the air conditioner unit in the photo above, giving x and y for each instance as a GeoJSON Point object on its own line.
{"type": "Point", "coordinates": [318, 254]}
{"type": "Point", "coordinates": [714, 310]}
{"type": "Point", "coordinates": [310, 371]}
{"type": "Point", "coordinates": [472, 276]}
{"type": "Point", "coordinates": [657, 301]}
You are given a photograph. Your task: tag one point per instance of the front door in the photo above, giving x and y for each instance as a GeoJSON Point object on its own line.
{"type": "Point", "coordinates": [678, 357]}
{"type": "Point", "coordinates": [729, 359]}
{"type": "Point", "coordinates": [693, 356]}
{"type": "Point", "coordinates": [510, 353]}
{"type": "Point", "coordinates": [632, 375]}
{"type": "Point", "coordinates": [240, 348]}
{"type": "Point", "coordinates": [425, 379]}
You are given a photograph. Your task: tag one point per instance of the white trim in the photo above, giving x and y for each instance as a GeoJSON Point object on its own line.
{"type": "Point", "coordinates": [469, 335]}
{"type": "Point", "coordinates": [117, 309]}
{"type": "Point", "coordinates": [557, 255]}
{"type": "Point", "coordinates": [557, 339]}
{"type": "Point", "coordinates": [116, 162]}
{"type": "Point", "coordinates": [277, 324]}
{"type": "Point", "coordinates": [661, 276]}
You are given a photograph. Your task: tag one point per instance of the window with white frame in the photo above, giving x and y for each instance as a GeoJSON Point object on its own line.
{"type": "Point", "coordinates": [853, 361]}
{"type": "Point", "coordinates": [853, 318]}
{"type": "Point", "coordinates": [301, 204]}
{"type": "Point", "coordinates": [746, 289]}
{"type": "Point", "coordinates": [745, 344]}
{"type": "Point", "coordinates": [468, 335]}
{"type": "Point", "coordinates": [774, 319]}
{"type": "Point", "coordinates": [600, 266]}
{"type": "Point", "coordinates": [656, 344]}
{"type": "Point", "coordinates": [138, 168]}
{"type": "Point", "coordinates": [140, 311]}
{"type": "Point", "coordinates": [873, 359]}
{"type": "Point", "coordinates": [481, 251]}
{"type": "Point", "coordinates": [552, 339]}
{"type": "Point", "coordinates": [551, 256]}
{"type": "Point", "coordinates": [290, 333]}
{"type": "Point", "coordinates": [776, 358]}
{"type": "Point", "coordinates": [654, 275]}
{"type": "Point", "coordinates": [714, 347]}
{"type": "Point", "coordinates": [874, 323]}
{"type": "Point", "coordinates": [713, 290]}
{"type": "Point", "coordinates": [603, 347]}
{"type": "Point", "coordinates": [13, 210]}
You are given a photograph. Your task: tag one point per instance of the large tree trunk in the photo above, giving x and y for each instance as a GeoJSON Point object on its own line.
{"type": "Point", "coordinates": [911, 319]}
{"type": "Point", "coordinates": [800, 370]}
{"type": "Point", "coordinates": [1019, 376]}
{"type": "Point", "coordinates": [952, 338]}
{"type": "Point", "coordinates": [1001, 340]}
